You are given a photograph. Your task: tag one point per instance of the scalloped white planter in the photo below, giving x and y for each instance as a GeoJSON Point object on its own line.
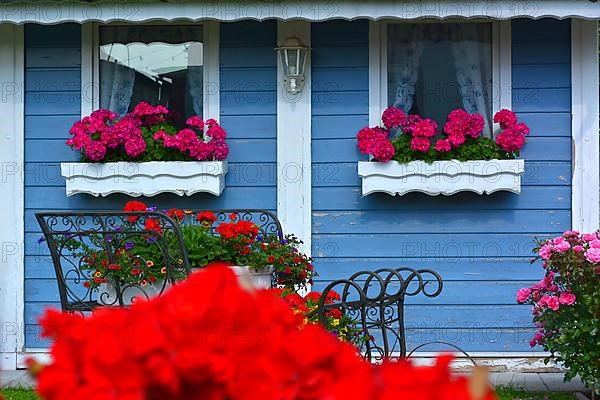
{"type": "Point", "coordinates": [441, 177]}
{"type": "Point", "coordinates": [183, 178]}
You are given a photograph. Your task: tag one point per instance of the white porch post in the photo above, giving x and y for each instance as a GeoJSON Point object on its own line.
{"type": "Point", "coordinates": [293, 144]}
{"type": "Point", "coordinates": [584, 95]}
{"type": "Point", "coordinates": [12, 328]}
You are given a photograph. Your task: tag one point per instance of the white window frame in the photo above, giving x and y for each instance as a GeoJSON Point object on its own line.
{"type": "Point", "coordinates": [90, 67]}
{"type": "Point", "coordinates": [501, 65]}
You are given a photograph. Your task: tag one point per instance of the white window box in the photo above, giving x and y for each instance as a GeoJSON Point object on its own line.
{"type": "Point", "coordinates": [441, 177]}
{"type": "Point", "coordinates": [146, 178]}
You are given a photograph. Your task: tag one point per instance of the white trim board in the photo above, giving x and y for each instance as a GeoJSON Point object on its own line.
{"type": "Point", "coordinates": [294, 144]}
{"type": "Point", "coordinates": [51, 12]}
{"type": "Point", "coordinates": [585, 111]}
{"type": "Point", "coordinates": [378, 82]}
{"type": "Point", "coordinates": [496, 361]}
{"type": "Point", "coordinates": [12, 326]}
{"type": "Point", "coordinates": [90, 69]}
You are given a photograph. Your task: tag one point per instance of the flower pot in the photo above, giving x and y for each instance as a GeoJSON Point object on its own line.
{"type": "Point", "coordinates": [258, 279]}
{"type": "Point", "coordinates": [146, 178]}
{"type": "Point", "coordinates": [107, 295]}
{"type": "Point", "coordinates": [441, 177]}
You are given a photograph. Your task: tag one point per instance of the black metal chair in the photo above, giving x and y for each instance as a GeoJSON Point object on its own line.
{"type": "Point", "coordinates": [375, 300]}
{"type": "Point", "coordinates": [72, 236]}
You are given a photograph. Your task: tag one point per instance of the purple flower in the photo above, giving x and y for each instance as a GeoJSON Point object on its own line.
{"type": "Point", "coordinates": [129, 245]}
{"type": "Point", "coordinates": [41, 240]}
{"type": "Point", "coordinates": [151, 209]}
{"type": "Point", "coordinates": [109, 238]}
{"type": "Point", "coordinates": [151, 239]}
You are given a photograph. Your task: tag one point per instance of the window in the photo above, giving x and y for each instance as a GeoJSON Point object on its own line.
{"type": "Point", "coordinates": [156, 64]}
{"type": "Point", "coordinates": [173, 65]}
{"type": "Point", "coordinates": [431, 69]}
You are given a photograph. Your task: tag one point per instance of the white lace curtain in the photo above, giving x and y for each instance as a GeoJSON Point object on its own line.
{"type": "Point", "coordinates": [471, 50]}
{"type": "Point", "coordinates": [116, 87]}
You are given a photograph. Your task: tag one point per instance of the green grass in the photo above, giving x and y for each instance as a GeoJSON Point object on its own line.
{"type": "Point", "coordinates": [18, 394]}
{"type": "Point", "coordinates": [505, 393]}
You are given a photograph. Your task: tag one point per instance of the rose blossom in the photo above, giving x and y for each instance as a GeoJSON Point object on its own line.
{"type": "Point", "coordinates": [595, 244]}
{"type": "Point", "coordinates": [578, 249]}
{"type": "Point", "coordinates": [545, 252]}
{"type": "Point", "coordinates": [550, 302]}
{"type": "Point", "coordinates": [562, 247]}
{"type": "Point", "coordinates": [523, 295]}
{"type": "Point", "coordinates": [588, 237]}
{"type": "Point", "coordinates": [567, 298]}
{"type": "Point", "coordinates": [593, 255]}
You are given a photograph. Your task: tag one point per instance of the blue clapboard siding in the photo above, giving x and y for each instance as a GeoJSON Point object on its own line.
{"type": "Point", "coordinates": [248, 74]}
{"type": "Point", "coordinates": [481, 245]}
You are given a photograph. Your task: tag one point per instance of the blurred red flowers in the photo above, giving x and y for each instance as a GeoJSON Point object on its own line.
{"type": "Point", "coordinates": [208, 339]}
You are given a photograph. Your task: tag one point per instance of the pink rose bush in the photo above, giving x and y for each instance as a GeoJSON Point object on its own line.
{"type": "Point", "coordinates": [566, 303]}
{"type": "Point", "coordinates": [406, 138]}
{"type": "Point", "coordinates": [147, 134]}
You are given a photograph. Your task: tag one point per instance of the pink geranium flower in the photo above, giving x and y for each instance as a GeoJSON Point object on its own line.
{"type": "Point", "coordinates": [95, 151]}
{"type": "Point", "coordinates": [393, 118]}
{"type": "Point", "coordinates": [383, 150]}
{"type": "Point", "coordinates": [506, 118]}
{"type": "Point", "coordinates": [442, 145]}
{"type": "Point", "coordinates": [421, 144]}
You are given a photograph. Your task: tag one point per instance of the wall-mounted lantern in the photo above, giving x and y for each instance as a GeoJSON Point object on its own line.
{"type": "Point", "coordinates": [293, 54]}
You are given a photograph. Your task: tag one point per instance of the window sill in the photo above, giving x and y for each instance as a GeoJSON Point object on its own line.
{"type": "Point", "coordinates": [441, 177]}
{"type": "Point", "coordinates": [183, 178]}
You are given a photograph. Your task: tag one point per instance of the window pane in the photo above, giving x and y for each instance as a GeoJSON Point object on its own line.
{"type": "Point", "coordinates": [156, 64]}
{"type": "Point", "coordinates": [436, 68]}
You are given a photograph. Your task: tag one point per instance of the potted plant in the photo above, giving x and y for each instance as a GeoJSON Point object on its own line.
{"type": "Point", "coordinates": [238, 243]}
{"type": "Point", "coordinates": [566, 303]}
{"type": "Point", "coordinates": [143, 153]}
{"type": "Point", "coordinates": [137, 262]}
{"type": "Point", "coordinates": [338, 323]}
{"type": "Point", "coordinates": [407, 154]}
{"type": "Point", "coordinates": [130, 261]}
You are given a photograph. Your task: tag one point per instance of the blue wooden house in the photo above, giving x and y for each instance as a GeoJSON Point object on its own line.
{"type": "Point", "coordinates": [296, 154]}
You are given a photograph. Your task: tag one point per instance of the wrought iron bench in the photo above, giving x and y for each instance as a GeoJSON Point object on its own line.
{"type": "Point", "coordinates": [70, 236]}
{"type": "Point", "coordinates": [375, 301]}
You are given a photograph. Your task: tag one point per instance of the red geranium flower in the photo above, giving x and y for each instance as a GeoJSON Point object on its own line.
{"type": "Point", "coordinates": [153, 225]}
{"type": "Point", "coordinates": [175, 213]}
{"type": "Point", "coordinates": [334, 313]}
{"type": "Point", "coordinates": [134, 206]}
{"type": "Point", "coordinates": [206, 217]}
